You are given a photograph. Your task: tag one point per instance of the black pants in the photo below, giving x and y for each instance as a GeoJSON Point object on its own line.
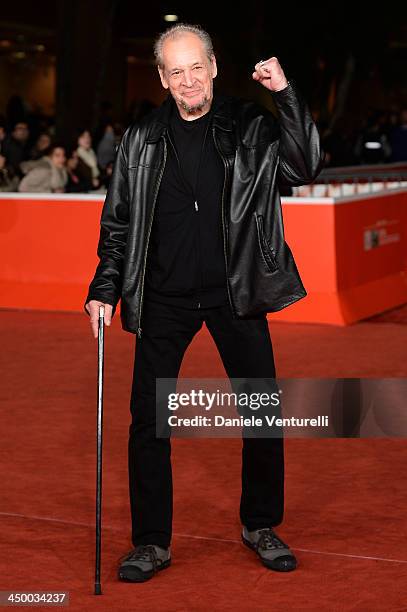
{"type": "Point", "coordinates": [246, 351]}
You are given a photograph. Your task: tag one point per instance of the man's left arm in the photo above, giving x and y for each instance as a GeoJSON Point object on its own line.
{"type": "Point", "coordinates": [301, 158]}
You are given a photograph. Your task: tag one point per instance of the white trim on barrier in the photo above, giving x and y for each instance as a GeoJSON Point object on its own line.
{"type": "Point", "coordinates": [336, 201]}
{"type": "Point", "coordinates": [99, 197]}
{"type": "Point", "coordinates": [53, 197]}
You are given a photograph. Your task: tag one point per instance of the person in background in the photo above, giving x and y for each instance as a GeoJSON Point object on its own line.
{"type": "Point", "coordinates": [106, 175]}
{"type": "Point", "coordinates": [398, 139]}
{"type": "Point", "coordinates": [3, 133]}
{"type": "Point", "coordinates": [106, 153]}
{"type": "Point", "coordinates": [15, 147]}
{"type": "Point", "coordinates": [49, 174]}
{"type": "Point", "coordinates": [106, 148]}
{"type": "Point", "coordinates": [87, 168]}
{"type": "Point", "coordinates": [41, 146]}
{"type": "Point", "coordinates": [8, 182]}
{"type": "Point", "coordinates": [40, 149]}
{"type": "Point", "coordinates": [76, 182]}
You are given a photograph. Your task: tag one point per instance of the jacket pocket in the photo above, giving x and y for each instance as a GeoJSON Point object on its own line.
{"type": "Point", "coordinates": [266, 250]}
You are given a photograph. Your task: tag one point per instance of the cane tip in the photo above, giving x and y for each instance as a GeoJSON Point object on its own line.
{"type": "Point", "coordinates": [98, 589]}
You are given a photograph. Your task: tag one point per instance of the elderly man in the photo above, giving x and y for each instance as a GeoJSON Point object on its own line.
{"type": "Point", "coordinates": [192, 232]}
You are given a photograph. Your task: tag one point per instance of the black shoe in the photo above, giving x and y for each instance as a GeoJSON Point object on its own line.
{"type": "Point", "coordinates": [271, 549]}
{"type": "Point", "coordinates": [143, 562]}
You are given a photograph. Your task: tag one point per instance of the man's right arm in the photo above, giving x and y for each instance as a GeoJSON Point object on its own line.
{"type": "Point", "coordinates": [105, 287]}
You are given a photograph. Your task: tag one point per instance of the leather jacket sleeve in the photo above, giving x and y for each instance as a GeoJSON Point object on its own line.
{"type": "Point", "coordinates": [114, 223]}
{"type": "Point", "coordinates": [300, 155]}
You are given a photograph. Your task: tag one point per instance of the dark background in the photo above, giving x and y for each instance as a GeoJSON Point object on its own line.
{"type": "Point", "coordinates": [77, 60]}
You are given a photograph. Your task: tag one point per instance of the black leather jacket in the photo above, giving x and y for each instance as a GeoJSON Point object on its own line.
{"type": "Point", "coordinates": [259, 152]}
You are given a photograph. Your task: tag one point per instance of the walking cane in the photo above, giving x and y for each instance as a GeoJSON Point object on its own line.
{"type": "Point", "coordinates": [99, 440]}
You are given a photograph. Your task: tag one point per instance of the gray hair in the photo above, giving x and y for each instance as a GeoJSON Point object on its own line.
{"type": "Point", "coordinates": [179, 29]}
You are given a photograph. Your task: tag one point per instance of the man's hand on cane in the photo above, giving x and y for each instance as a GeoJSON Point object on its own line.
{"type": "Point", "coordinates": [270, 74]}
{"type": "Point", "coordinates": [93, 309]}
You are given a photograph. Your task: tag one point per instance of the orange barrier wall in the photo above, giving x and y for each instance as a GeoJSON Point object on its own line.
{"type": "Point", "coordinates": [47, 250]}
{"type": "Point", "coordinates": [351, 253]}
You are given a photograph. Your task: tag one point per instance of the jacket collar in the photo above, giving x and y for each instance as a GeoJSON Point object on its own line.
{"type": "Point", "coordinates": [221, 116]}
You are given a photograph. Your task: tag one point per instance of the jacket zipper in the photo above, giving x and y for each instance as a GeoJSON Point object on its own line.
{"type": "Point", "coordinates": [223, 222]}
{"type": "Point", "coordinates": [139, 330]}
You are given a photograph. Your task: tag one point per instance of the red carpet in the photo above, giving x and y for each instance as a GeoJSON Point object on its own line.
{"type": "Point", "coordinates": [345, 499]}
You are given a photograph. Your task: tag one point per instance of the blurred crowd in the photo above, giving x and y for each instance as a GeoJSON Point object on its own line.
{"type": "Point", "coordinates": [381, 139]}
{"type": "Point", "coordinates": [32, 160]}
{"type": "Point", "coordinates": [43, 165]}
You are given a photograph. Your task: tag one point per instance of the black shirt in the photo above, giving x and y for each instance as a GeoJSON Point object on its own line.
{"type": "Point", "coordinates": [186, 262]}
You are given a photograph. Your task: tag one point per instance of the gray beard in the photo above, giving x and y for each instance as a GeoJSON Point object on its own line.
{"type": "Point", "coordinates": [196, 107]}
